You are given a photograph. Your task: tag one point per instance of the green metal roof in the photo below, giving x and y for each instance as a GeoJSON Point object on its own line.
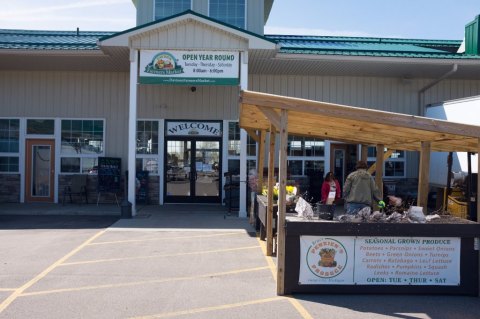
{"type": "Point", "coordinates": [50, 40]}
{"type": "Point", "coordinates": [289, 44]}
{"type": "Point", "coordinates": [374, 47]}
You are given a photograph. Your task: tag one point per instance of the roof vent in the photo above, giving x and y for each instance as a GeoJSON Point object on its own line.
{"type": "Point", "coordinates": [472, 35]}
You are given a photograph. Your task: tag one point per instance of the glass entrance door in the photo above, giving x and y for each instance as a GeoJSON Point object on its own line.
{"type": "Point", "coordinates": [192, 171]}
{"type": "Point", "coordinates": [40, 168]}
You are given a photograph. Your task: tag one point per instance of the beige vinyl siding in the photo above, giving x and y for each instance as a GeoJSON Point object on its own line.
{"type": "Point", "coordinates": [179, 102]}
{"type": "Point", "coordinates": [388, 94]}
{"type": "Point", "coordinates": [144, 11]}
{"type": "Point", "coordinates": [101, 95]}
{"type": "Point", "coordinates": [189, 35]}
{"type": "Point", "coordinates": [255, 16]}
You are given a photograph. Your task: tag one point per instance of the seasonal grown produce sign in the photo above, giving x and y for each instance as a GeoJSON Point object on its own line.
{"type": "Point", "coordinates": [379, 261]}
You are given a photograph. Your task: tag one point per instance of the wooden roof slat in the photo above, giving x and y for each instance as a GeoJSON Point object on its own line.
{"type": "Point", "coordinates": [332, 110]}
{"type": "Point", "coordinates": [356, 125]}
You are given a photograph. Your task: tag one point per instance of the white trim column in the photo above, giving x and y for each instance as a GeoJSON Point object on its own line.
{"type": "Point", "coordinates": [22, 158]}
{"type": "Point", "coordinates": [161, 156]}
{"type": "Point", "coordinates": [242, 211]}
{"type": "Point", "coordinates": [132, 127]}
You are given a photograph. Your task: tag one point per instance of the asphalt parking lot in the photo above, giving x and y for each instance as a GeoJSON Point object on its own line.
{"type": "Point", "coordinates": [99, 267]}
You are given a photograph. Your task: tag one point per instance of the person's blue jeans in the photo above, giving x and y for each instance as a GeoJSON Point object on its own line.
{"type": "Point", "coordinates": [353, 208]}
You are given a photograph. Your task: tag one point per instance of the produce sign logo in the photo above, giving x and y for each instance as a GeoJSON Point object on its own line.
{"type": "Point", "coordinates": [326, 258]}
{"type": "Point", "coordinates": [163, 63]}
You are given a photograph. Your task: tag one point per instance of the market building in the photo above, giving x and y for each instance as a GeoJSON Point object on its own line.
{"type": "Point", "coordinates": [163, 97]}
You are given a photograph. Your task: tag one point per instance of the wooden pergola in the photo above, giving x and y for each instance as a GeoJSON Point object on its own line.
{"type": "Point", "coordinates": [262, 113]}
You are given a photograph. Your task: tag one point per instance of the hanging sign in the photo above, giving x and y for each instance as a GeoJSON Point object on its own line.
{"type": "Point", "coordinates": [191, 128]}
{"type": "Point", "coordinates": [380, 261]}
{"type": "Point", "coordinates": [189, 67]}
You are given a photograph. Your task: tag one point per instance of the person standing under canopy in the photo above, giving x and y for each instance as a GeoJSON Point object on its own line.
{"type": "Point", "coordinates": [360, 190]}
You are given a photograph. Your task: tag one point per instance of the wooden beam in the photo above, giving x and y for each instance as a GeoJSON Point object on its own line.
{"type": "Point", "coordinates": [261, 160]}
{"type": "Point", "coordinates": [364, 153]}
{"type": "Point", "coordinates": [379, 168]}
{"type": "Point", "coordinates": [337, 111]}
{"type": "Point", "coordinates": [386, 155]}
{"type": "Point", "coordinates": [271, 181]}
{"type": "Point", "coordinates": [271, 115]}
{"type": "Point", "coordinates": [253, 134]}
{"type": "Point", "coordinates": [282, 177]}
{"type": "Point", "coordinates": [423, 173]}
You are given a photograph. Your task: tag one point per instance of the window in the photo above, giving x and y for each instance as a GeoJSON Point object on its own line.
{"type": "Point", "coordinates": [9, 145]}
{"type": "Point", "coordinates": [304, 146]}
{"type": "Point", "coordinates": [234, 141]}
{"type": "Point", "coordinates": [234, 150]}
{"type": "Point", "coordinates": [82, 141]}
{"type": "Point", "coordinates": [40, 127]}
{"type": "Point", "coordinates": [147, 137]}
{"type": "Point", "coordinates": [305, 156]}
{"type": "Point", "coordinates": [147, 145]}
{"type": "Point", "coordinates": [167, 8]}
{"type": "Point", "coordinates": [394, 166]}
{"type": "Point", "coordinates": [228, 11]}
{"type": "Point", "coordinates": [9, 164]}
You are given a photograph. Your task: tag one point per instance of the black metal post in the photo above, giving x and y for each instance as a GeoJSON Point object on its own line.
{"type": "Point", "coordinates": [126, 206]}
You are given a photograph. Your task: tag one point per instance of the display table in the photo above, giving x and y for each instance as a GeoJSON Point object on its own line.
{"type": "Point", "coordinates": [262, 216]}
{"type": "Point", "coordinates": [333, 257]}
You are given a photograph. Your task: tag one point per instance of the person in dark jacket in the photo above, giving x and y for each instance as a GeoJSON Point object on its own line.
{"type": "Point", "coordinates": [360, 190]}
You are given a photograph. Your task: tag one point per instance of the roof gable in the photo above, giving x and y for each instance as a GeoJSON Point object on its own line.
{"type": "Point", "coordinates": [188, 23]}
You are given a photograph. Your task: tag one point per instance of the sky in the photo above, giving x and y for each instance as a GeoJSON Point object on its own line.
{"type": "Point", "coordinates": [414, 19]}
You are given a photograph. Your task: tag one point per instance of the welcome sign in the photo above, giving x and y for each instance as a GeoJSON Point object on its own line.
{"type": "Point", "coordinates": [190, 128]}
{"type": "Point", "coordinates": [189, 67]}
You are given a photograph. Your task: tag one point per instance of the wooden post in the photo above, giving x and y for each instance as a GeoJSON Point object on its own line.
{"type": "Point", "coordinates": [261, 160]}
{"type": "Point", "coordinates": [423, 173]}
{"type": "Point", "coordinates": [271, 173]}
{"type": "Point", "coordinates": [260, 165]}
{"type": "Point", "coordinates": [379, 169]}
{"type": "Point", "coordinates": [364, 153]}
{"type": "Point", "coordinates": [282, 176]}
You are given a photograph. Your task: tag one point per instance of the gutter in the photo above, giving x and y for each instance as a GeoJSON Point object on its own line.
{"type": "Point", "coordinates": [421, 92]}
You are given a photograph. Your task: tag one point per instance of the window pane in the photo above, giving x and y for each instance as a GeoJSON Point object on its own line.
{"type": "Point", "coordinates": [147, 137]}
{"type": "Point", "coordinates": [70, 165]}
{"type": "Point", "coordinates": [294, 146]}
{"type": "Point", "coordinates": [314, 147]}
{"type": "Point", "coordinates": [251, 146]}
{"type": "Point", "coordinates": [229, 11]}
{"type": "Point", "coordinates": [234, 167]}
{"type": "Point", "coordinates": [40, 127]}
{"type": "Point", "coordinates": [89, 165]}
{"type": "Point", "coordinates": [166, 8]}
{"type": "Point", "coordinates": [147, 164]}
{"type": "Point", "coordinates": [233, 138]}
{"type": "Point", "coordinates": [9, 135]}
{"type": "Point", "coordinates": [294, 167]}
{"type": "Point", "coordinates": [82, 137]}
{"type": "Point", "coordinates": [9, 164]}
{"type": "Point", "coordinates": [315, 169]}
{"type": "Point", "coordinates": [395, 168]}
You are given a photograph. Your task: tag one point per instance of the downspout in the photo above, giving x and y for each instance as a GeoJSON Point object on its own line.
{"type": "Point", "coordinates": [421, 92]}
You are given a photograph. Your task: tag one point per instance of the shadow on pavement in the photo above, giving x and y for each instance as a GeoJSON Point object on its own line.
{"type": "Point", "coordinates": [396, 306]}
{"type": "Point", "coordinates": [10, 222]}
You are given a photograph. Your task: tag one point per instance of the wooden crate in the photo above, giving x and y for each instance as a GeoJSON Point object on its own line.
{"type": "Point", "coordinates": [456, 207]}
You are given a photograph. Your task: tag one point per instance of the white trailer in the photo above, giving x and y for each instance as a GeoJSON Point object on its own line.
{"type": "Point", "coordinates": [466, 111]}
